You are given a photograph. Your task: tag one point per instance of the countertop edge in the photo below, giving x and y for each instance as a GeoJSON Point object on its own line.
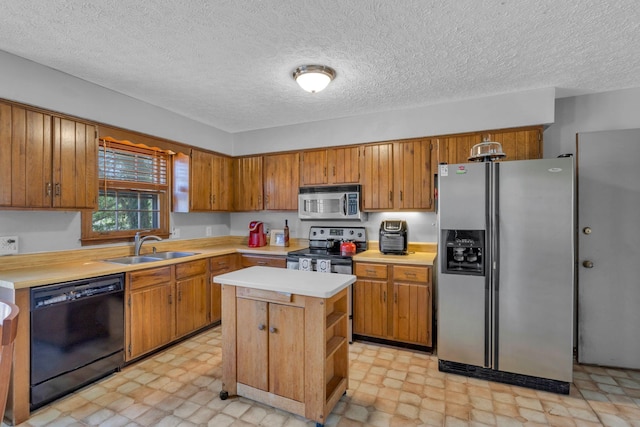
{"type": "Point", "coordinates": [264, 278]}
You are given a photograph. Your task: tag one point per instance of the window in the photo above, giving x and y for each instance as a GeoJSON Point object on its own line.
{"type": "Point", "coordinates": [133, 194]}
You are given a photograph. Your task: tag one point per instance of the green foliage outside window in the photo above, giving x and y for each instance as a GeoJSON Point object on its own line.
{"type": "Point", "coordinates": [126, 210]}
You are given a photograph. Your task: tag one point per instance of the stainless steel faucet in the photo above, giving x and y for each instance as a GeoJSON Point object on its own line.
{"type": "Point", "coordinates": [138, 241]}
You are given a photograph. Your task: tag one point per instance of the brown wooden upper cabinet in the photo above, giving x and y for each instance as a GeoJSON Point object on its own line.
{"type": "Point", "coordinates": [377, 176]}
{"type": "Point", "coordinates": [281, 181]}
{"type": "Point", "coordinates": [398, 175]}
{"type": "Point", "coordinates": [247, 184]}
{"type": "Point", "coordinates": [46, 162]}
{"type": "Point", "coordinates": [413, 175]}
{"type": "Point", "coordinates": [339, 165]}
{"type": "Point", "coordinates": [517, 144]}
{"type": "Point", "coordinates": [202, 182]}
{"type": "Point", "coordinates": [456, 149]}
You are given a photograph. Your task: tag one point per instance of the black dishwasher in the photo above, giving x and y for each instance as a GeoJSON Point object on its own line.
{"type": "Point", "coordinates": [77, 335]}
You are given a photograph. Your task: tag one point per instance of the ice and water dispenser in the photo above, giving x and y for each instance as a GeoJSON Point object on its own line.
{"type": "Point", "coordinates": [464, 252]}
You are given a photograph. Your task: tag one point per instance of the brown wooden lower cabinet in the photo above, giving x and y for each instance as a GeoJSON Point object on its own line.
{"type": "Point", "coordinates": [192, 305]}
{"type": "Point", "coordinates": [219, 265]}
{"type": "Point", "coordinates": [393, 302]}
{"type": "Point", "coordinates": [164, 304]}
{"type": "Point", "coordinates": [370, 300]}
{"type": "Point", "coordinates": [149, 310]}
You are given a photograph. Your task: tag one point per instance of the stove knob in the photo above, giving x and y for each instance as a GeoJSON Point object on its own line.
{"type": "Point", "coordinates": [351, 232]}
{"type": "Point", "coordinates": [314, 233]}
{"type": "Point", "coordinates": [321, 231]}
{"type": "Point", "coordinates": [359, 234]}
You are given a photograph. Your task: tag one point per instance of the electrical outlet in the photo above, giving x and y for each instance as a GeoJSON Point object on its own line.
{"type": "Point", "coordinates": [176, 233]}
{"type": "Point", "coordinates": [207, 230]}
{"type": "Point", "coordinates": [8, 245]}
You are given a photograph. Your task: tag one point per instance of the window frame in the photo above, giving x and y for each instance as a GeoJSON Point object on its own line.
{"type": "Point", "coordinates": [91, 237]}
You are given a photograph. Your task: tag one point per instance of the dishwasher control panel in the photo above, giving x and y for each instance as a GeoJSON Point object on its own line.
{"type": "Point", "coordinates": [44, 296]}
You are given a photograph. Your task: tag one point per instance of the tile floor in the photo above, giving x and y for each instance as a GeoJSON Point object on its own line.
{"type": "Point", "coordinates": [388, 387]}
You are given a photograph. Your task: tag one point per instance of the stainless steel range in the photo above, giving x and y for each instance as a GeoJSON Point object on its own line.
{"type": "Point", "coordinates": [324, 255]}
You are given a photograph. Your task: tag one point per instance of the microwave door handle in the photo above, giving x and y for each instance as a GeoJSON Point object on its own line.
{"type": "Point", "coordinates": [344, 204]}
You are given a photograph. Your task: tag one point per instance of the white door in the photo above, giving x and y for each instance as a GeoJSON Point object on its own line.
{"type": "Point", "coordinates": [609, 248]}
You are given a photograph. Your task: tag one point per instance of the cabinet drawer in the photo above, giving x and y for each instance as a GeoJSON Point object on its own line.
{"type": "Point", "coordinates": [221, 263]}
{"type": "Point", "coordinates": [155, 276]}
{"type": "Point", "coordinates": [376, 271]}
{"type": "Point", "coordinates": [410, 273]}
{"type": "Point", "coordinates": [191, 268]}
{"type": "Point", "coordinates": [270, 296]}
{"type": "Point", "coordinates": [264, 261]}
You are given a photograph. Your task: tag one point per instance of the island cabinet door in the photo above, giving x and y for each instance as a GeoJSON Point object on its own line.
{"type": "Point", "coordinates": [286, 351]}
{"type": "Point", "coordinates": [252, 343]}
{"type": "Point", "coordinates": [270, 344]}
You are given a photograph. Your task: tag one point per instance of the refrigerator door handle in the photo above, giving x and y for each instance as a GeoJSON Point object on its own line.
{"type": "Point", "coordinates": [488, 276]}
{"type": "Point", "coordinates": [495, 270]}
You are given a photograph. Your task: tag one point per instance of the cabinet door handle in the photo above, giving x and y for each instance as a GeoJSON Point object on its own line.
{"type": "Point", "coordinates": [395, 297]}
{"type": "Point", "coordinates": [261, 327]}
{"type": "Point", "coordinates": [400, 195]}
{"type": "Point", "coordinates": [273, 330]}
{"type": "Point", "coordinates": [334, 171]}
{"type": "Point", "coordinates": [324, 172]}
{"type": "Point", "coordinates": [49, 189]}
{"type": "Point", "coordinates": [170, 299]}
{"type": "Point", "coordinates": [384, 298]}
{"type": "Point", "coordinates": [57, 189]}
{"type": "Point", "coordinates": [391, 196]}
{"type": "Point", "coordinates": [261, 263]}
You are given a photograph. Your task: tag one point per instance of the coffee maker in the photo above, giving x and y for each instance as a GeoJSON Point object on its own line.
{"type": "Point", "coordinates": [257, 237]}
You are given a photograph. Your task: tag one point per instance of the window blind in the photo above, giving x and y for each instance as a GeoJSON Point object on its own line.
{"type": "Point", "coordinates": [128, 163]}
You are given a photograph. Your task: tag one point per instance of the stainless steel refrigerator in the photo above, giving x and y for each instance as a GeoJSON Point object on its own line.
{"type": "Point", "coordinates": [506, 271]}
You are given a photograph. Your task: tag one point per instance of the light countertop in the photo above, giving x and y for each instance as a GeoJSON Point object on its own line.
{"type": "Point", "coordinates": [74, 270]}
{"type": "Point", "coordinates": [82, 265]}
{"type": "Point", "coordinates": [415, 258]}
{"type": "Point", "coordinates": [282, 280]}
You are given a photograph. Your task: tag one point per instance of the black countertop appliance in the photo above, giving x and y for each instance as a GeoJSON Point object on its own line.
{"type": "Point", "coordinates": [393, 237]}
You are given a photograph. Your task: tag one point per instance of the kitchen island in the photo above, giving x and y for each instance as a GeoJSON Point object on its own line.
{"type": "Point", "coordinates": [285, 338]}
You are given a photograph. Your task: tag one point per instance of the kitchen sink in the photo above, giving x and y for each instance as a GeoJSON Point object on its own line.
{"type": "Point", "coordinates": [153, 257]}
{"type": "Point", "coordinates": [171, 255]}
{"type": "Point", "coordinates": [133, 259]}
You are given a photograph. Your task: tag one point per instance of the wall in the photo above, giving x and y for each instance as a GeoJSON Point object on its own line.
{"type": "Point", "coordinates": [42, 231]}
{"type": "Point", "coordinates": [31, 83]}
{"type": "Point", "coordinates": [589, 113]}
{"type": "Point", "coordinates": [422, 225]}
{"type": "Point", "coordinates": [526, 108]}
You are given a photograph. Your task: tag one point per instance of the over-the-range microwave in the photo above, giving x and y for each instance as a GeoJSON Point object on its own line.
{"type": "Point", "coordinates": [339, 202]}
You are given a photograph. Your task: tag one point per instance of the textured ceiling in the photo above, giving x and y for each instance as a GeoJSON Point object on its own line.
{"type": "Point", "coordinates": [228, 63]}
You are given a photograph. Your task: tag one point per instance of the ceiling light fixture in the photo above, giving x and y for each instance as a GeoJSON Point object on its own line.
{"type": "Point", "coordinates": [314, 78]}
